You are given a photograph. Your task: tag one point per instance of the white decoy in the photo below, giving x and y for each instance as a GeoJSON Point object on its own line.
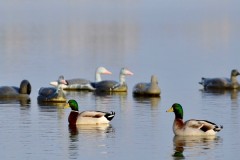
{"type": "Point", "coordinates": [83, 84]}
{"type": "Point", "coordinates": [114, 86]}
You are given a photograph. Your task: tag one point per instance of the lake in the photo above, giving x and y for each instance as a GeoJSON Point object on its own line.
{"type": "Point", "coordinates": [178, 41]}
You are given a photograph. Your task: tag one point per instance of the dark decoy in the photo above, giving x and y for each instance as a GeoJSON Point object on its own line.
{"type": "Point", "coordinates": [16, 92]}
{"type": "Point", "coordinates": [52, 94]}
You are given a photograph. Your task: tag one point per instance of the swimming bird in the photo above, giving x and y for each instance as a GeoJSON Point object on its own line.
{"type": "Point", "coordinates": [147, 89]}
{"type": "Point", "coordinates": [16, 92]}
{"type": "Point", "coordinates": [83, 84]}
{"type": "Point", "coordinates": [114, 86]}
{"type": "Point", "coordinates": [222, 83]}
{"type": "Point", "coordinates": [87, 117]}
{"type": "Point", "coordinates": [52, 94]}
{"type": "Point", "coordinates": [191, 127]}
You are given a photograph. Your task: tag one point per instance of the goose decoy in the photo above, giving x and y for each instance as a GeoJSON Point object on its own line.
{"type": "Point", "coordinates": [87, 117]}
{"type": "Point", "coordinates": [191, 127]}
{"type": "Point", "coordinates": [83, 84]}
{"type": "Point", "coordinates": [52, 94]}
{"type": "Point", "coordinates": [114, 86]}
{"type": "Point", "coordinates": [222, 83]}
{"type": "Point", "coordinates": [16, 92]}
{"type": "Point", "coordinates": [147, 89]}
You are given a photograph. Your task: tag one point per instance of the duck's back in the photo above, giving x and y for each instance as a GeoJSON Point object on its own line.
{"type": "Point", "coordinates": [92, 117]}
{"type": "Point", "coordinates": [77, 81]}
{"type": "Point", "coordinates": [108, 85]}
{"type": "Point", "coordinates": [6, 91]}
{"type": "Point", "coordinates": [216, 83]}
{"type": "Point", "coordinates": [79, 84]}
{"type": "Point", "coordinates": [47, 91]}
{"type": "Point", "coordinates": [146, 89]}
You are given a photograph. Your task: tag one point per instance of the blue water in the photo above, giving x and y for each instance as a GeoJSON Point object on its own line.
{"type": "Point", "coordinates": [178, 41]}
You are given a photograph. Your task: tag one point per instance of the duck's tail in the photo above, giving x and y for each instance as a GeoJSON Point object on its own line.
{"type": "Point", "coordinates": [110, 115]}
{"type": "Point", "coordinates": [218, 128]}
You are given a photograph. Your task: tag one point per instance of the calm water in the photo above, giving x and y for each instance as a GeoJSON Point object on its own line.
{"type": "Point", "coordinates": [179, 41]}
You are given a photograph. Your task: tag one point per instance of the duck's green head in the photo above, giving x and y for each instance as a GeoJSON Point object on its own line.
{"type": "Point", "coordinates": [177, 109]}
{"type": "Point", "coordinates": [73, 104]}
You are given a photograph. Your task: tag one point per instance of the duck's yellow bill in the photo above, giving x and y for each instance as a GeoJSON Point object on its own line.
{"type": "Point", "coordinates": [66, 106]}
{"type": "Point", "coordinates": [170, 109]}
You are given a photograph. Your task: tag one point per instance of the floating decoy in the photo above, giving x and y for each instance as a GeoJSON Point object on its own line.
{"type": "Point", "coordinates": [114, 86]}
{"type": "Point", "coordinates": [87, 117]}
{"type": "Point", "coordinates": [191, 127]}
{"type": "Point", "coordinates": [16, 92]}
{"type": "Point", "coordinates": [222, 83]}
{"type": "Point", "coordinates": [83, 84]}
{"type": "Point", "coordinates": [52, 94]}
{"type": "Point", "coordinates": [147, 89]}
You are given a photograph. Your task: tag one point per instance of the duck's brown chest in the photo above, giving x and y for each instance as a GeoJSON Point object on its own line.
{"type": "Point", "coordinates": [178, 123]}
{"type": "Point", "coordinates": [72, 118]}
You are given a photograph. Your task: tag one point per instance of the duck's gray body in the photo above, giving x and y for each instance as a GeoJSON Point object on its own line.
{"type": "Point", "coordinates": [114, 86]}
{"type": "Point", "coordinates": [221, 83]}
{"type": "Point", "coordinates": [147, 89]}
{"type": "Point", "coordinates": [16, 92]}
{"type": "Point", "coordinates": [110, 86]}
{"type": "Point", "coordinates": [79, 84]}
{"type": "Point", "coordinates": [51, 94]}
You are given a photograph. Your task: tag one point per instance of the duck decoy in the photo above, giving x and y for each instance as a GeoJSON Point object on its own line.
{"type": "Point", "coordinates": [16, 92]}
{"type": "Point", "coordinates": [87, 117]}
{"type": "Point", "coordinates": [114, 86]}
{"type": "Point", "coordinates": [222, 83]}
{"type": "Point", "coordinates": [191, 127]}
{"type": "Point", "coordinates": [52, 94]}
{"type": "Point", "coordinates": [147, 89]}
{"type": "Point", "coordinates": [83, 84]}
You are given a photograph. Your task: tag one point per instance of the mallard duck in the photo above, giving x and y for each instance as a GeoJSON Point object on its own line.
{"type": "Point", "coordinates": [191, 127]}
{"type": "Point", "coordinates": [83, 84]}
{"type": "Point", "coordinates": [222, 83]}
{"type": "Point", "coordinates": [114, 86]}
{"type": "Point", "coordinates": [16, 92]}
{"type": "Point", "coordinates": [147, 89]}
{"type": "Point", "coordinates": [87, 117]}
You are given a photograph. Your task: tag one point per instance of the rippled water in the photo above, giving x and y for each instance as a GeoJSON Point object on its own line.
{"type": "Point", "coordinates": [178, 41]}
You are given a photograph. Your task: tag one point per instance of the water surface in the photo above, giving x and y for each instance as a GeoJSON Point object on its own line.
{"type": "Point", "coordinates": [178, 41]}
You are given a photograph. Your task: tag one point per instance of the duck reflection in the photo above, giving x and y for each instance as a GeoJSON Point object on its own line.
{"type": "Point", "coordinates": [90, 136]}
{"type": "Point", "coordinates": [53, 107]}
{"type": "Point", "coordinates": [233, 94]}
{"type": "Point", "coordinates": [109, 100]}
{"type": "Point", "coordinates": [90, 129]}
{"type": "Point", "coordinates": [51, 104]}
{"type": "Point", "coordinates": [215, 95]}
{"type": "Point", "coordinates": [23, 101]}
{"type": "Point", "coordinates": [104, 94]}
{"type": "Point", "coordinates": [152, 101]}
{"type": "Point", "coordinates": [195, 144]}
